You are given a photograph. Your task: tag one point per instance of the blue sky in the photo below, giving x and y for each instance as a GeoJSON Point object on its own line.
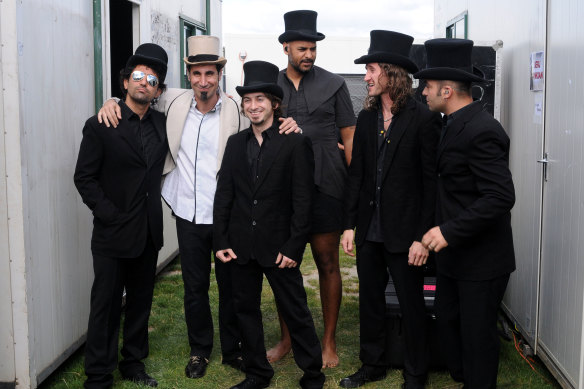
{"type": "Point", "coordinates": [335, 17]}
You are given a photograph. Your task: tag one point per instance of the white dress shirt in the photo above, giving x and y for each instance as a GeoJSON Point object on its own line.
{"type": "Point", "coordinates": [189, 189]}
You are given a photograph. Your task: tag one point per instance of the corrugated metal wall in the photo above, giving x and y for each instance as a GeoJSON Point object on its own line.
{"type": "Point", "coordinates": [55, 49]}
{"type": "Point", "coordinates": [562, 269]}
{"type": "Point", "coordinates": [7, 370]}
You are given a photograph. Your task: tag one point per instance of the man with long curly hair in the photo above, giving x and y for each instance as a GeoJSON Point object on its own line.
{"type": "Point", "coordinates": [390, 197]}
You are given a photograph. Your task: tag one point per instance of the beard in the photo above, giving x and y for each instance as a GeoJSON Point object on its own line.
{"type": "Point", "coordinates": [204, 96]}
{"type": "Point", "coordinates": [140, 98]}
{"type": "Point", "coordinates": [296, 66]}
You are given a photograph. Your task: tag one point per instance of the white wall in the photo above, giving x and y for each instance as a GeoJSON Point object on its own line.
{"type": "Point", "coordinates": [55, 65]}
{"type": "Point", "coordinates": [7, 367]}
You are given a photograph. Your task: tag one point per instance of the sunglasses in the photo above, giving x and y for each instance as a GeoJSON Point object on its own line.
{"type": "Point", "coordinates": [151, 79]}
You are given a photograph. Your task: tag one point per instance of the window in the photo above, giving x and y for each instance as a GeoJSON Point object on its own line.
{"type": "Point", "coordinates": [457, 27]}
{"type": "Point", "coordinates": [190, 27]}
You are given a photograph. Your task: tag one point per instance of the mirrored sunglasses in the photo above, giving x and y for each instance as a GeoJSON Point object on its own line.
{"type": "Point", "coordinates": [150, 79]}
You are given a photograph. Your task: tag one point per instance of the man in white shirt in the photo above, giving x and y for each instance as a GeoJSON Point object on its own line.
{"type": "Point", "coordinates": [199, 121]}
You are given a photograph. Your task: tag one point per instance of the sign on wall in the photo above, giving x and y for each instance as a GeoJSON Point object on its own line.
{"type": "Point", "coordinates": [537, 71]}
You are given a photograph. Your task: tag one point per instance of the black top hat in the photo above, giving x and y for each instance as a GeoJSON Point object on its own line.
{"type": "Point", "coordinates": [450, 59]}
{"type": "Point", "coordinates": [260, 76]}
{"type": "Point", "coordinates": [300, 26]}
{"type": "Point", "coordinates": [390, 47]}
{"type": "Point", "coordinates": [150, 54]}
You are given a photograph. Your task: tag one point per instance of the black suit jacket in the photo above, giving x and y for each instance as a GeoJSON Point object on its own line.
{"type": "Point", "coordinates": [408, 187]}
{"type": "Point", "coordinates": [121, 189]}
{"type": "Point", "coordinates": [272, 215]}
{"type": "Point", "coordinates": [475, 197]}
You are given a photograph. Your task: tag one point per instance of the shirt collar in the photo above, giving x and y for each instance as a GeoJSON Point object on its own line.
{"type": "Point", "coordinates": [217, 106]}
{"type": "Point", "coordinates": [455, 114]}
{"type": "Point", "coordinates": [128, 113]}
{"type": "Point", "coordinates": [304, 76]}
{"type": "Point", "coordinates": [269, 133]}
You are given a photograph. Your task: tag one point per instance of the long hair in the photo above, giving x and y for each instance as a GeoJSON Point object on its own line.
{"type": "Point", "coordinates": [399, 85]}
{"type": "Point", "coordinates": [276, 104]}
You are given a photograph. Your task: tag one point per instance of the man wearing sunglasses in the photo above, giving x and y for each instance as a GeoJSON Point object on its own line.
{"type": "Point", "coordinates": [118, 176]}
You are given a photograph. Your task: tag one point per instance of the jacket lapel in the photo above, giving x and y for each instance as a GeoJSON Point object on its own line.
{"type": "Point", "coordinates": [456, 127]}
{"type": "Point", "coordinates": [397, 131]}
{"type": "Point", "coordinates": [176, 117]}
{"type": "Point", "coordinates": [239, 159]}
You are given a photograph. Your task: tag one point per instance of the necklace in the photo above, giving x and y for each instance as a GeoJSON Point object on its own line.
{"type": "Point", "coordinates": [385, 121]}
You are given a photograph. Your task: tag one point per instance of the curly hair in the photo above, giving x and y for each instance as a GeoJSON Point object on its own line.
{"type": "Point", "coordinates": [127, 71]}
{"type": "Point", "coordinates": [399, 85]}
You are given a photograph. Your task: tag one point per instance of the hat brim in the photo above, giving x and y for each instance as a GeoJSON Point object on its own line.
{"type": "Point", "coordinates": [138, 59]}
{"type": "Point", "coordinates": [451, 74]}
{"type": "Point", "coordinates": [290, 36]}
{"type": "Point", "coordinates": [261, 87]}
{"type": "Point", "coordinates": [221, 61]}
{"type": "Point", "coordinates": [391, 58]}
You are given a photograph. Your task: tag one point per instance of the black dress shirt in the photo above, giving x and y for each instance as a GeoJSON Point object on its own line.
{"type": "Point", "coordinates": [254, 150]}
{"type": "Point", "coordinates": [374, 233]}
{"type": "Point", "coordinates": [144, 131]}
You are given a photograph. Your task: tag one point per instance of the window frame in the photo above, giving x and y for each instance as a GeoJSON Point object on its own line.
{"type": "Point", "coordinates": [189, 27]}
{"type": "Point", "coordinates": [451, 25]}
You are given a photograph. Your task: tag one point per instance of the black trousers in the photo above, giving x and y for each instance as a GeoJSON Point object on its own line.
{"type": "Point", "coordinates": [290, 297]}
{"type": "Point", "coordinates": [466, 313]}
{"type": "Point", "coordinates": [195, 246]}
{"type": "Point", "coordinates": [112, 275]}
{"type": "Point", "coordinates": [373, 262]}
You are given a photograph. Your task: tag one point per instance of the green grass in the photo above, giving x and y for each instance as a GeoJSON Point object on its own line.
{"type": "Point", "coordinates": [169, 350]}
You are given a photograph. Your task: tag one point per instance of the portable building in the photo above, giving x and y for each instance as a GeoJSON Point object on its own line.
{"type": "Point", "coordinates": [58, 60]}
{"type": "Point", "coordinates": [541, 109]}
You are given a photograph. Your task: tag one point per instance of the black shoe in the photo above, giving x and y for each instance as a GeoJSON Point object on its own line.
{"type": "Point", "coordinates": [236, 363]}
{"type": "Point", "coordinates": [361, 377]}
{"type": "Point", "coordinates": [142, 378]}
{"type": "Point", "coordinates": [196, 367]}
{"type": "Point", "coordinates": [250, 383]}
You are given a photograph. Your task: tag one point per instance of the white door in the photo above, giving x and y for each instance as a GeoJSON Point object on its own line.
{"type": "Point", "coordinates": [562, 259]}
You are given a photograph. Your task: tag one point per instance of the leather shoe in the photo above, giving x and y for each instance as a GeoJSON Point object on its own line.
{"type": "Point", "coordinates": [197, 367]}
{"type": "Point", "coordinates": [250, 383]}
{"type": "Point", "coordinates": [236, 363]}
{"type": "Point", "coordinates": [360, 378]}
{"type": "Point", "coordinates": [142, 378]}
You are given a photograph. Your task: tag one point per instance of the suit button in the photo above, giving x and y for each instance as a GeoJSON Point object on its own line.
{"type": "Point", "coordinates": [371, 203]}
{"type": "Point", "coordinates": [255, 202]}
{"type": "Point", "coordinates": [253, 223]}
{"type": "Point", "coordinates": [438, 174]}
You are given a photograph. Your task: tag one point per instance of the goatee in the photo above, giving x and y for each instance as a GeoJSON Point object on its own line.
{"type": "Point", "coordinates": [204, 96]}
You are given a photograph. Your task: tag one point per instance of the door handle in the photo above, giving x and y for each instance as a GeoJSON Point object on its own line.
{"type": "Point", "coordinates": [544, 161]}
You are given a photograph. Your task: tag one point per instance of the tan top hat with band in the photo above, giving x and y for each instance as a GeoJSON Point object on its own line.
{"type": "Point", "coordinates": [204, 50]}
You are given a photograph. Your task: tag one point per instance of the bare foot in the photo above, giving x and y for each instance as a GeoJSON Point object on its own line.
{"type": "Point", "coordinates": [278, 352]}
{"type": "Point", "coordinates": [329, 357]}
